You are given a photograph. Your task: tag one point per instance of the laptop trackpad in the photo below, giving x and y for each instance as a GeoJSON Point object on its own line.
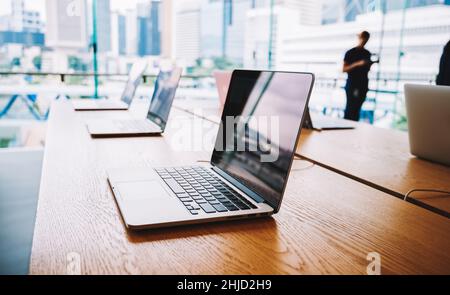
{"type": "Point", "coordinates": [142, 190]}
{"type": "Point", "coordinates": [148, 202]}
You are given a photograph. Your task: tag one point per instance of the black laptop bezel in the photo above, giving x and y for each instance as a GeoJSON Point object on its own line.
{"type": "Point", "coordinates": [152, 116]}
{"type": "Point", "coordinates": [255, 196]}
{"type": "Point", "coordinates": [135, 86]}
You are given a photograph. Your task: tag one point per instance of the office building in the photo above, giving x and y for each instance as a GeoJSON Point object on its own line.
{"type": "Point", "coordinates": [21, 27]}
{"type": "Point", "coordinates": [234, 33]}
{"type": "Point", "coordinates": [321, 49]}
{"type": "Point", "coordinates": [266, 26]}
{"type": "Point", "coordinates": [155, 30]}
{"type": "Point", "coordinates": [224, 25]}
{"type": "Point", "coordinates": [103, 26]}
{"type": "Point", "coordinates": [21, 37]}
{"type": "Point", "coordinates": [21, 19]}
{"type": "Point", "coordinates": [122, 37]}
{"type": "Point", "coordinates": [17, 15]}
{"type": "Point", "coordinates": [24, 20]}
{"type": "Point", "coordinates": [310, 11]}
{"type": "Point", "coordinates": [334, 11]}
{"type": "Point", "coordinates": [236, 19]}
{"type": "Point", "coordinates": [149, 32]}
{"type": "Point", "coordinates": [167, 27]}
{"type": "Point", "coordinates": [131, 31]}
{"type": "Point", "coordinates": [187, 31]}
{"type": "Point", "coordinates": [211, 24]}
{"type": "Point", "coordinates": [26, 39]}
{"type": "Point", "coordinates": [66, 24]}
{"type": "Point", "coordinates": [66, 33]}
{"type": "Point", "coordinates": [118, 33]}
{"type": "Point", "coordinates": [143, 38]}
{"type": "Point", "coordinates": [32, 22]}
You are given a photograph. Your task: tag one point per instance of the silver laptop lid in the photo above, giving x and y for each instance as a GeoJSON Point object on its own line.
{"type": "Point", "coordinates": [134, 79]}
{"type": "Point", "coordinates": [260, 125]}
{"type": "Point", "coordinates": [163, 95]}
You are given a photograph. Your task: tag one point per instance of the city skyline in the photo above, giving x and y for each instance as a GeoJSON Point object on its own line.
{"type": "Point", "coordinates": [38, 5]}
{"type": "Point", "coordinates": [202, 36]}
{"type": "Point", "coordinates": [243, 33]}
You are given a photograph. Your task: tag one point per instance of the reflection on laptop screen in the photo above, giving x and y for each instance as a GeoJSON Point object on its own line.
{"type": "Point", "coordinates": [259, 128]}
{"type": "Point", "coordinates": [165, 88]}
{"type": "Point", "coordinates": [134, 79]}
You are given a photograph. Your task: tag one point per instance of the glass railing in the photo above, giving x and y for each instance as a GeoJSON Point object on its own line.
{"type": "Point", "coordinates": [27, 96]}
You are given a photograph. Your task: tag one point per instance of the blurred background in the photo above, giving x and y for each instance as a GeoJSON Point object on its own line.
{"type": "Point", "coordinates": [46, 47]}
{"type": "Point", "coordinates": [57, 49]}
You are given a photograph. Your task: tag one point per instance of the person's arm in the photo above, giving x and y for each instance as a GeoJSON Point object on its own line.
{"type": "Point", "coordinates": [350, 67]}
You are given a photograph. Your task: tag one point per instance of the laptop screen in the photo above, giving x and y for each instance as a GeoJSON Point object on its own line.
{"type": "Point", "coordinates": [165, 88]}
{"type": "Point", "coordinates": [134, 79]}
{"type": "Point", "coordinates": [260, 125]}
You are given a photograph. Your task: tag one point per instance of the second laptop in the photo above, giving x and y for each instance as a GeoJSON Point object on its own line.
{"type": "Point", "coordinates": [158, 113]}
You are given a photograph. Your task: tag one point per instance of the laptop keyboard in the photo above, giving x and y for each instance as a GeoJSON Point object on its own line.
{"type": "Point", "coordinates": [200, 190]}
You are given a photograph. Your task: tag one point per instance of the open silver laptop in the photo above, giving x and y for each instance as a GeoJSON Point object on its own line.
{"type": "Point", "coordinates": [323, 123]}
{"type": "Point", "coordinates": [239, 182]}
{"type": "Point", "coordinates": [428, 111]}
{"type": "Point", "coordinates": [158, 113]}
{"type": "Point", "coordinates": [112, 104]}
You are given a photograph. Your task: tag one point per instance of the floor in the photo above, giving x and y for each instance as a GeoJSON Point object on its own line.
{"type": "Point", "coordinates": [19, 189]}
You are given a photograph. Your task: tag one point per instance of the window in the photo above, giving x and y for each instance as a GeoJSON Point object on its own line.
{"type": "Point", "coordinates": [57, 36]}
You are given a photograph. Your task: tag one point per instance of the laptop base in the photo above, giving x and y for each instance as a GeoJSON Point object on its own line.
{"type": "Point", "coordinates": [121, 128]}
{"type": "Point", "coordinates": [98, 105]}
{"type": "Point", "coordinates": [323, 123]}
{"type": "Point", "coordinates": [146, 201]}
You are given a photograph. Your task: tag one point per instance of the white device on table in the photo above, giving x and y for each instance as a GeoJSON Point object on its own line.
{"type": "Point", "coordinates": [428, 112]}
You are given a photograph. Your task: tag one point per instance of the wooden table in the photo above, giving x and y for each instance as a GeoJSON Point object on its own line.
{"type": "Point", "coordinates": [374, 156]}
{"type": "Point", "coordinates": [328, 223]}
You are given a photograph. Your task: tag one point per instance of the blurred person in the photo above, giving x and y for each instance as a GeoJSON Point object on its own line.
{"type": "Point", "coordinates": [443, 78]}
{"type": "Point", "coordinates": [357, 64]}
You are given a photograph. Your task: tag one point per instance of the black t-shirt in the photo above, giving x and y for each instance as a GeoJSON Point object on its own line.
{"type": "Point", "coordinates": [443, 77]}
{"type": "Point", "coordinates": [358, 77]}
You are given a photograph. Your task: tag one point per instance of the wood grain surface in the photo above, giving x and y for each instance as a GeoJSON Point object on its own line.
{"type": "Point", "coordinates": [328, 223]}
{"type": "Point", "coordinates": [380, 158]}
